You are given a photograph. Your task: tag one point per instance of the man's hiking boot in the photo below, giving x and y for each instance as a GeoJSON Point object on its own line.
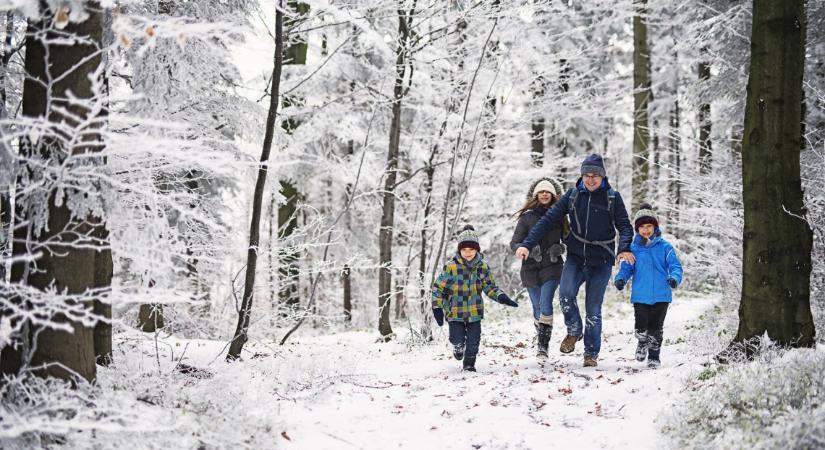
{"type": "Point", "coordinates": [458, 351]}
{"type": "Point", "coordinates": [544, 333]}
{"type": "Point", "coordinates": [568, 344]}
{"type": "Point", "coordinates": [653, 363]}
{"type": "Point", "coordinates": [590, 361]}
{"type": "Point", "coordinates": [470, 364]}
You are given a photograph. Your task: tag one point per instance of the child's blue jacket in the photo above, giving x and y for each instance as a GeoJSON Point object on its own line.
{"type": "Point", "coordinates": [655, 263]}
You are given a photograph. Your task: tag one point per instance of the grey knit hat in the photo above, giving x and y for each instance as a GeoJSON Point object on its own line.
{"type": "Point", "coordinates": [468, 237]}
{"type": "Point", "coordinates": [645, 215]}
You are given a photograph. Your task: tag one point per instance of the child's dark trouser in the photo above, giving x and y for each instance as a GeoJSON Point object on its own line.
{"type": "Point", "coordinates": [650, 321]}
{"type": "Point", "coordinates": [468, 333]}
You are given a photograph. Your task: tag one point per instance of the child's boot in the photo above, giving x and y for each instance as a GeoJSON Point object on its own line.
{"type": "Point", "coordinates": [653, 349]}
{"type": "Point", "coordinates": [470, 364]}
{"type": "Point", "coordinates": [544, 333]}
{"type": "Point", "coordinates": [458, 351]}
{"type": "Point", "coordinates": [641, 347]}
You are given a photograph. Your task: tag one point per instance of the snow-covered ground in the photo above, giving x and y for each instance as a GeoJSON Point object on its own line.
{"type": "Point", "coordinates": [345, 390]}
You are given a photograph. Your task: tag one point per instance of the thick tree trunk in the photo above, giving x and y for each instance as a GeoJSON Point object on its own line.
{"type": "Point", "coordinates": [71, 263]}
{"type": "Point", "coordinates": [242, 329]}
{"type": "Point", "coordinates": [777, 239]}
{"type": "Point", "coordinates": [288, 270]}
{"type": "Point", "coordinates": [641, 100]}
{"type": "Point", "coordinates": [705, 150]}
{"type": "Point", "coordinates": [385, 234]}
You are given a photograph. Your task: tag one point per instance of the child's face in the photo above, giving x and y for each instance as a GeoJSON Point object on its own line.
{"type": "Point", "coordinates": [646, 230]}
{"type": "Point", "coordinates": [468, 253]}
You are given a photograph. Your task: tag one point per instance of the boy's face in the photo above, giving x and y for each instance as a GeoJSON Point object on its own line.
{"type": "Point", "coordinates": [468, 253]}
{"type": "Point", "coordinates": [646, 230]}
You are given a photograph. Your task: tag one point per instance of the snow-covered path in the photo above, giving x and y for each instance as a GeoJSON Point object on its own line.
{"type": "Point", "coordinates": [391, 396]}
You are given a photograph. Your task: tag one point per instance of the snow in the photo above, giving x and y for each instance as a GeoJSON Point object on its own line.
{"type": "Point", "coordinates": [345, 390]}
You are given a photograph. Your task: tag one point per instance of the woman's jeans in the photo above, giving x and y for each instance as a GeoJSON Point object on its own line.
{"type": "Point", "coordinates": [542, 298]}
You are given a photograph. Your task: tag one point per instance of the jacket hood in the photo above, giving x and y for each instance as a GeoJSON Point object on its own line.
{"type": "Point", "coordinates": [657, 236]}
{"type": "Point", "coordinates": [605, 185]}
{"type": "Point", "coordinates": [461, 261]}
{"type": "Point", "coordinates": [556, 183]}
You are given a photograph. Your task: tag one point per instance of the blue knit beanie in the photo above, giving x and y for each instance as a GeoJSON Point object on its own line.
{"type": "Point", "coordinates": [593, 164]}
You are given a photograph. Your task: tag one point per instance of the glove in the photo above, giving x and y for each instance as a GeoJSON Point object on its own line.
{"type": "Point", "coordinates": [535, 253]}
{"type": "Point", "coordinates": [555, 251]}
{"type": "Point", "coordinates": [619, 284]}
{"type": "Point", "coordinates": [672, 283]}
{"type": "Point", "coordinates": [438, 313]}
{"type": "Point", "coordinates": [505, 300]}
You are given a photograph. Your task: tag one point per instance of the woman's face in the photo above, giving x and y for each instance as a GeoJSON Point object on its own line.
{"type": "Point", "coordinates": [544, 197]}
{"type": "Point", "coordinates": [468, 253]}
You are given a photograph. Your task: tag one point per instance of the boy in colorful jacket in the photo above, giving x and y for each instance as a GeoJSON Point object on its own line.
{"type": "Point", "coordinates": [655, 274]}
{"type": "Point", "coordinates": [457, 290]}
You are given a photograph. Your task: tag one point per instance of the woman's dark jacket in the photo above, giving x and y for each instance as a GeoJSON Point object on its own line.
{"type": "Point", "coordinates": [545, 261]}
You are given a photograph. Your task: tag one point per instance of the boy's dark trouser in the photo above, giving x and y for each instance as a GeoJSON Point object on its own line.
{"type": "Point", "coordinates": [466, 332]}
{"type": "Point", "coordinates": [650, 321]}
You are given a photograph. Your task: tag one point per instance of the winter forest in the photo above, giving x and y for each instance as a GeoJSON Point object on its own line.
{"type": "Point", "coordinates": [243, 224]}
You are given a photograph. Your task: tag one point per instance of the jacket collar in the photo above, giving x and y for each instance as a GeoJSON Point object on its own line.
{"type": "Point", "coordinates": [604, 187]}
{"type": "Point", "coordinates": [461, 261]}
{"type": "Point", "coordinates": [657, 236]}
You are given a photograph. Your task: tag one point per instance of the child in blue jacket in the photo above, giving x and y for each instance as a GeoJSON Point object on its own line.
{"type": "Point", "coordinates": [655, 274]}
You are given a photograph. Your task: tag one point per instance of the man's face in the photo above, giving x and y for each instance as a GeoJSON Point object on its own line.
{"type": "Point", "coordinates": [592, 181]}
{"type": "Point", "coordinates": [468, 253]}
{"type": "Point", "coordinates": [646, 230]}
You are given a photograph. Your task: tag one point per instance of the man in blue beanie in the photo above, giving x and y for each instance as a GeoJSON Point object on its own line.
{"type": "Point", "coordinates": [595, 212]}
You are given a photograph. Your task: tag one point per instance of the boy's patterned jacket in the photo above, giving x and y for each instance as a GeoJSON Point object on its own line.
{"type": "Point", "coordinates": [457, 290]}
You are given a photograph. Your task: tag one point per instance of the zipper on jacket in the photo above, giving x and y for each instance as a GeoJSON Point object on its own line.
{"type": "Point", "coordinates": [587, 224]}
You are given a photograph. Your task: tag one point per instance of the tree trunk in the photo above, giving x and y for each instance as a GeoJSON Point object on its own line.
{"type": "Point", "coordinates": [288, 259]}
{"type": "Point", "coordinates": [54, 69]}
{"type": "Point", "coordinates": [641, 99]}
{"type": "Point", "coordinates": [288, 270]}
{"type": "Point", "coordinates": [345, 279]}
{"type": "Point", "coordinates": [567, 178]}
{"type": "Point", "coordinates": [777, 240]}
{"type": "Point", "coordinates": [385, 234]}
{"type": "Point", "coordinates": [242, 329]}
{"type": "Point", "coordinates": [705, 150]}
{"type": "Point", "coordinates": [675, 185]}
{"type": "Point", "coordinates": [5, 149]}
{"type": "Point", "coordinates": [537, 128]}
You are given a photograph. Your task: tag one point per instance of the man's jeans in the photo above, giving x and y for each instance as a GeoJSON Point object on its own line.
{"type": "Point", "coordinates": [595, 279]}
{"type": "Point", "coordinates": [466, 332]}
{"type": "Point", "coordinates": [542, 298]}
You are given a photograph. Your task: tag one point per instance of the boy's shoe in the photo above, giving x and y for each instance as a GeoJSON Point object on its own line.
{"type": "Point", "coordinates": [590, 361]}
{"type": "Point", "coordinates": [470, 364]}
{"type": "Point", "coordinates": [458, 351]}
{"type": "Point", "coordinates": [641, 350]}
{"type": "Point", "coordinates": [544, 333]}
{"type": "Point", "coordinates": [654, 363]}
{"type": "Point", "coordinates": [568, 344]}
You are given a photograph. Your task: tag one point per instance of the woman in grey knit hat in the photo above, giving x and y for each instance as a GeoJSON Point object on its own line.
{"type": "Point", "coordinates": [541, 271]}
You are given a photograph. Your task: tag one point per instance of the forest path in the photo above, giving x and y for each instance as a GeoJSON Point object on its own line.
{"type": "Point", "coordinates": [370, 395]}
